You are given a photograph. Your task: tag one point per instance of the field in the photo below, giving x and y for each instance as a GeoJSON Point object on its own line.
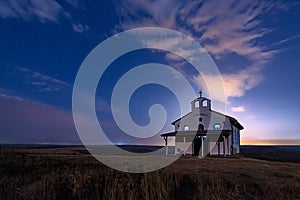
{"type": "Point", "coordinates": [71, 173]}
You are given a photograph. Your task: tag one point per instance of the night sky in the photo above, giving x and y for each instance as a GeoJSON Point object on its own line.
{"type": "Point", "coordinates": [255, 45]}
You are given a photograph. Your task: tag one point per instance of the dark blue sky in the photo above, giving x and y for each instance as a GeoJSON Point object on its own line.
{"type": "Point", "coordinates": [43, 43]}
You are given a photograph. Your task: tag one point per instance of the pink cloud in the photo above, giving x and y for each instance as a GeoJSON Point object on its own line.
{"type": "Point", "coordinates": [234, 85]}
{"type": "Point", "coordinates": [222, 27]}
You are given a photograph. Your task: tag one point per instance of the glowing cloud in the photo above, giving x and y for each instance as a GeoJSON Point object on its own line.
{"type": "Point", "coordinates": [238, 109]}
{"type": "Point", "coordinates": [235, 85]}
{"type": "Point", "coordinates": [222, 27]}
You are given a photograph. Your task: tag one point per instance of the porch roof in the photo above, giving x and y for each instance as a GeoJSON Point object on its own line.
{"type": "Point", "coordinates": [170, 134]}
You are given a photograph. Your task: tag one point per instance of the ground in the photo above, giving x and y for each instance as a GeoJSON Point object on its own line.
{"type": "Point", "coordinates": [71, 173]}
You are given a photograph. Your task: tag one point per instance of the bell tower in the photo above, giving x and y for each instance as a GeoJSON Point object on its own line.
{"type": "Point", "coordinates": [201, 103]}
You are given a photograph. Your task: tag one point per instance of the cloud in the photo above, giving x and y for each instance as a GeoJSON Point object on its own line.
{"type": "Point", "coordinates": [49, 89]}
{"type": "Point", "coordinates": [43, 10]}
{"type": "Point", "coordinates": [9, 94]}
{"type": "Point", "coordinates": [221, 26]}
{"type": "Point", "coordinates": [250, 117]}
{"type": "Point", "coordinates": [39, 83]}
{"type": "Point", "coordinates": [295, 37]}
{"type": "Point", "coordinates": [232, 27]}
{"type": "Point", "coordinates": [158, 13]}
{"type": "Point", "coordinates": [42, 82]}
{"type": "Point", "coordinates": [234, 85]}
{"type": "Point", "coordinates": [74, 3]}
{"type": "Point", "coordinates": [3, 95]}
{"type": "Point", "coordinates": [224, 28]}
{"type": "Point", "coordinates": [238, 109]}
{"type": "Point", "coordinates": [80, 28]}
{"type": "Point", "coordinates": [39, 76]}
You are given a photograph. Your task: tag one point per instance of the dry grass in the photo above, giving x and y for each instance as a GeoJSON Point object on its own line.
{"type": "Point", "coordinates": [67, 176]}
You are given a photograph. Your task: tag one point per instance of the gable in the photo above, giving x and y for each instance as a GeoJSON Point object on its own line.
{"type": "Point", "coordinates": [192, 119]}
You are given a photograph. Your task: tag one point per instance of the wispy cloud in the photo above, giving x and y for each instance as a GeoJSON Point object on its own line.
{"type": "Point", "coordinates": [4, 95]}
{"type": "Point", "coordinates": [222, 27]}
{"type": "Point", "coordinates": [74, 3]}
{"type": "Point", "coordinates": [11, 95]}
{"type": "Point", "coordinates": [49, 79]}
{"type": "Point", "coordinates": [233, 27]}
{"type": "Point", "coordinates": [250, 117]}
{"type": "Point", "coordinates": [80, 28]}
{"type": "Point", "coordinates": [289, 39]}
{"type": "Point", "coordinates": [238, 109]}
{"type": "Point", "coordinates": [234, 85]}
{"type": "Point", "coordinates": [43, 10]}
{"type": "Point", "coordinates": [39, 83]}
{"type": "Point", "coordinates": [42, 82]}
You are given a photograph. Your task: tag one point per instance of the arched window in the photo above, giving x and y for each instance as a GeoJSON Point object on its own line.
{"type": "Point", "coordinates": [204, 103]}
{"type": "Point", "coordinates": [186, 128]}
{"type": "Point", "coordinates": [197, 104]}
{"type": "Point", "coordinates": [217, 126]}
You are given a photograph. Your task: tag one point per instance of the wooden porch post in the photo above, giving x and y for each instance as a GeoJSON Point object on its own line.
{"type": "Point", "coordinates": [202, 146]}
{"type": "Point", "coordinates": [224, 153]}
{"type": "Point", "coordinates": [218, 144]}
{"type": "Point", "coordinates": [184, 146]}
{"type": "Point", "coordinates": [166, 144]}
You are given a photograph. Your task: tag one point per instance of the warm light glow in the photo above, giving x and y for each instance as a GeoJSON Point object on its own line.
{"type": "Point", "coordinates": [269, 142]}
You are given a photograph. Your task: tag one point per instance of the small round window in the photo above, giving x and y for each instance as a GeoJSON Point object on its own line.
{"type": "Point", "coordinates": [217, 127]}
{"type": "Point", "coordinates": [186, 128]}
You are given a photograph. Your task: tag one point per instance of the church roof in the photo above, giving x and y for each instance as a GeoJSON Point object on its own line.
{"type": "Point", "coordinates": [232, 119]}
{"type": "Point", "coordinates": [173, 123]}
{"type": "Point", "coordinates": [205, 132]}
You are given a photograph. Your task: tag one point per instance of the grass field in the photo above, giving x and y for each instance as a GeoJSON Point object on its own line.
{"type": "Point", "coordinates": [70, 173]}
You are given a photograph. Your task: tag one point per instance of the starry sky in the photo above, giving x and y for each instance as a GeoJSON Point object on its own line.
{"type": "Point", "coordinates": [255, 45]}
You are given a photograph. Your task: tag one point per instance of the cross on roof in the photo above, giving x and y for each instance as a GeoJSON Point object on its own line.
{"type": "Point", "coordinates": [200, 93]}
